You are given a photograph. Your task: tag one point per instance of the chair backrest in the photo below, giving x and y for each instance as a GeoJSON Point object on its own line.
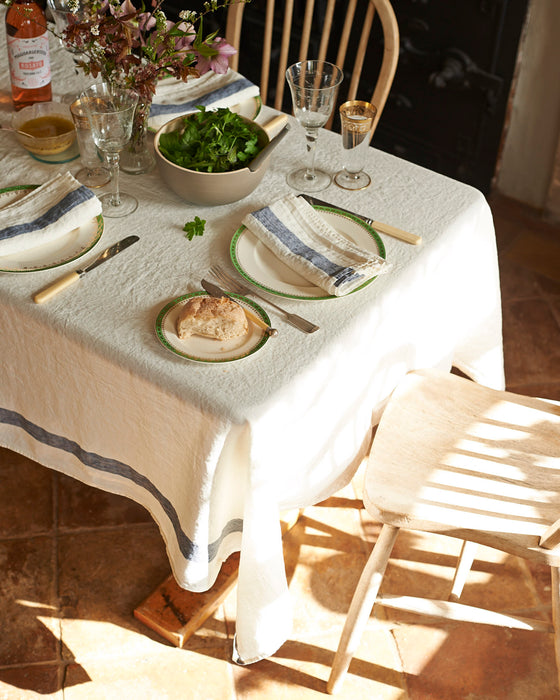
{"type": "Point", "coordinates": [336, 37]}
{"type": "Point", "coordinates": [482, 463]}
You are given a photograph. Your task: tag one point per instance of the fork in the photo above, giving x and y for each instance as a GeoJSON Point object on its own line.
{"type": "Point", "coordinates": [237, 287]}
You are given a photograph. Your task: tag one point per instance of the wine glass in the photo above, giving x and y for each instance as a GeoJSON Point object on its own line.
{"type": "Point", "coordinates": [313, 85]}
{"type": "Point", "coordinates": [62, 11]}
{"type": "Point", "coordinates": [110, 111]}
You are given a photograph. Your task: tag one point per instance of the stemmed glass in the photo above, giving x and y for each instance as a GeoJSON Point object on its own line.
{"type": "Point", "coordinates": [61, 11]}
{"type": "Point", "coordinates": [313, 85]}
{"type": "Point", "coordinates": [110, 111]}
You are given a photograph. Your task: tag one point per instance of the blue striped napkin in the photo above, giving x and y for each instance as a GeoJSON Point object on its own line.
{"type": "Point", "coordinates": [46, 214]}
{"type": "Point", "coordinates": [212, 90]}
{"type": "Point", "coordinates": [303, 240]}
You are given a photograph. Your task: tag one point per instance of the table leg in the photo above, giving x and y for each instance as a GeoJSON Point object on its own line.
{"type": "Point", "coordinates": [176, 614]}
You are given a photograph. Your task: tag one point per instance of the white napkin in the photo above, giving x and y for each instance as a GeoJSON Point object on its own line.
{"type": "Point", "coordinates": [301, 238]}
{"type": "Point", "coordinates": [46, 214]}
{"type": "Point", "coordinates": [212, 90]}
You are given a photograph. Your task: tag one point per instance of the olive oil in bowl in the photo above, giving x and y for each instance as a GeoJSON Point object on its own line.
{"type": "Point", "coordinates": [48, 134]}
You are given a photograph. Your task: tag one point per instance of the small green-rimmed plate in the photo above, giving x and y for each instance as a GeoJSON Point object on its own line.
{"type": "Point", "coordinates": [199, 349]}
{"type": "Point", "coordinates": [65, 249]}
{"type": "Point", "coordinates": [259, 266]}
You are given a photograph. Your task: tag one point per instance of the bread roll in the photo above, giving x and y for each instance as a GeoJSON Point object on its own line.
{"type": "Point", "coordinates": [210, 317]}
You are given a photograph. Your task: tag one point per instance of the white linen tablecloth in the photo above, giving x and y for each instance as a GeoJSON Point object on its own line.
{"type": "Point", "coordinates": [216, 452]}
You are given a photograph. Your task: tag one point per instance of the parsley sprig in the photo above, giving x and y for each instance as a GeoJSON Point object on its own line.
{"type": "Point", "coordinates": [194, 228]}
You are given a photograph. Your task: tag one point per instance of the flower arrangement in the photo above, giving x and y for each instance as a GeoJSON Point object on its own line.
{"type": "Point", "coordinates": [133, 48]}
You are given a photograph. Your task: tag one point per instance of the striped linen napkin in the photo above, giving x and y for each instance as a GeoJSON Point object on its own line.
{"type": "Point", "coordinates": [174, 98]}
{"type": "Point", "coordinates": [301, 238]}
{"type": "Point", "coordinates": [46, 214]}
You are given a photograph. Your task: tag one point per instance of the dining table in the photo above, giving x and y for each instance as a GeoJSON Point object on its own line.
{"type": "Point", "coordinates": [216, 451]}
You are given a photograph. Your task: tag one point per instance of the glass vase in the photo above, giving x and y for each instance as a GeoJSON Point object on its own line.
{"type": "Point", "coordinates": [137, 156]}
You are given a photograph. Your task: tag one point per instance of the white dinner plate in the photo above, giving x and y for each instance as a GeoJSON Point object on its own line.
{"type": "Point", "coordinates": [259, 266]}
{"type": "Point", "coordinates": [209, 350]}
{"type": "Point", "coordinates": [69, 247]}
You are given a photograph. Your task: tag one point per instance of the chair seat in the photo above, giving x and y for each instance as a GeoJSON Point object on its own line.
{"type": "Point", "coordinates": [454, 457]}
{"type": "Point", "coordinates": [477, 464]}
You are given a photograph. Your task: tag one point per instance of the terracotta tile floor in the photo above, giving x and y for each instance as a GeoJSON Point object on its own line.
{"type": "Point", "coordinates": [75, 562]}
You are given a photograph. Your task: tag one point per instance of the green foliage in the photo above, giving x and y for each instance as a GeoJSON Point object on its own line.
{"type": "Point", "coordinates": [213, 142]}
{"type": "Point", "coordinates": [194, 228]}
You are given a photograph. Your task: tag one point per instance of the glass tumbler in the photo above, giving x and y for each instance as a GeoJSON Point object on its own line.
{"type": "Point", "coordinates": [356, 121]}
{"type": "Point", "coordinates": [93, 174]}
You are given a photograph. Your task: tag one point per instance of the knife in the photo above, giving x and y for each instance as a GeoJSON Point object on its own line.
{"type": "Point", "coordinates": [377, 225]}
{"type": "Point", "coordinates": [62, 282]}
{"type": "Point", "coordinates": [215, 291]}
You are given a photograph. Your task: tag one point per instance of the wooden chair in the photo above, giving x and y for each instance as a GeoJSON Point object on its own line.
{"type": "Point", "coordinates": [456, 458]}
{"type": "Point", "coordinates": [338, 54]}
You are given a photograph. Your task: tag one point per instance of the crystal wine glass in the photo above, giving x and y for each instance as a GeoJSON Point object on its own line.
{"type": "Point", "coordinates": [313, 85]}
{"type": "Point", "coordinates": [110, 112]}
{"type": "Point", "coordinates": [61, 11]}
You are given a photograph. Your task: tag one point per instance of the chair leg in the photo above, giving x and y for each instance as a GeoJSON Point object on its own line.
{"type": "Point", "coordinates": [361, 606]}
{"type": "Point", "coordinates": [555, 574]}
{"type": "Point", "coordinates": [466, 558]}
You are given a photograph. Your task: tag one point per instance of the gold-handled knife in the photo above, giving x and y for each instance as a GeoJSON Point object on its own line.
{"type": "Point", "coordinates": [66, 280]}
{"type": "Point", "coordinates": [377, 225]}
{"type": "Point", "coordinates": [217, 292]}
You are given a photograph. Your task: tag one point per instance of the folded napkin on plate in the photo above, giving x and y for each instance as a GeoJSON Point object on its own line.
{"type": "Point", "coordinates": [45, 214]}
{"type": "Point", "coordinates": [174, 97]}
{"type": "Point", "coordinates": [301, 238]}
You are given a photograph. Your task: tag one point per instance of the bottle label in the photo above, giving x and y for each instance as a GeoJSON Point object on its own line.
{"type": "Point", "coordinates": [30, 66]}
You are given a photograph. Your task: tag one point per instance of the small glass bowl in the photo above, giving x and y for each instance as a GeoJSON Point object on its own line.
{"type": "Point", "coordinates": [49, 113]}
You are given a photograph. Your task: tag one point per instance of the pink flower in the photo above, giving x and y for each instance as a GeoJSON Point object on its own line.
{"type": "Point", "coordinates": [126, 8]}
{"type": "Point", "coordinates": [146, 21]}
{"type": "Point", "coordinates": [184, 43]}
{"type": "Point", "coordinates": [218, 62]}
{"type": "Point", "coordinates": [143, 21]}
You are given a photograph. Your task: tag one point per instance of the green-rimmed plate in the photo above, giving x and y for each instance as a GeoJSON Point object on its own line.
{"type": "Point", "coordinates": [65, 249]}
{"type": "Point", "coordinates": [259, 266]}
{"type": "Point", "coordinates": [208, 350]}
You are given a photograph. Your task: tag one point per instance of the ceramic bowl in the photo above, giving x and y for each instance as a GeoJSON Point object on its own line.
{"type": "Point", "coordinates": [45, 118]}
{"type": "Point", "coordinates": [208, 188]}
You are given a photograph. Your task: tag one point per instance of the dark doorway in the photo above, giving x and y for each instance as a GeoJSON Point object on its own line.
{"type": "Point", "coordinates": [448, 103]}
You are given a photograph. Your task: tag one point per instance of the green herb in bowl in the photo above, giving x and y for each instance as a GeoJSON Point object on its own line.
{"type": "Point", "coordinates": [216, 141]}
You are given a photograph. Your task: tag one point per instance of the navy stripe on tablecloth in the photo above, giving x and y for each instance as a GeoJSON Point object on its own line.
{"type": "Point", "coordinates": [188, 548]}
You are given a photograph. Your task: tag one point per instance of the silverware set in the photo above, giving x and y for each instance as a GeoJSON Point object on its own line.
{"type": "Point", "coordinates": [234, 285]}
{"type": "Point", "coordinates": [387, 229]}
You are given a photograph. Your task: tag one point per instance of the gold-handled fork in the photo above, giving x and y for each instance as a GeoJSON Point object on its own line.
{"type": "Point", "coordinates": [233, 285]}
